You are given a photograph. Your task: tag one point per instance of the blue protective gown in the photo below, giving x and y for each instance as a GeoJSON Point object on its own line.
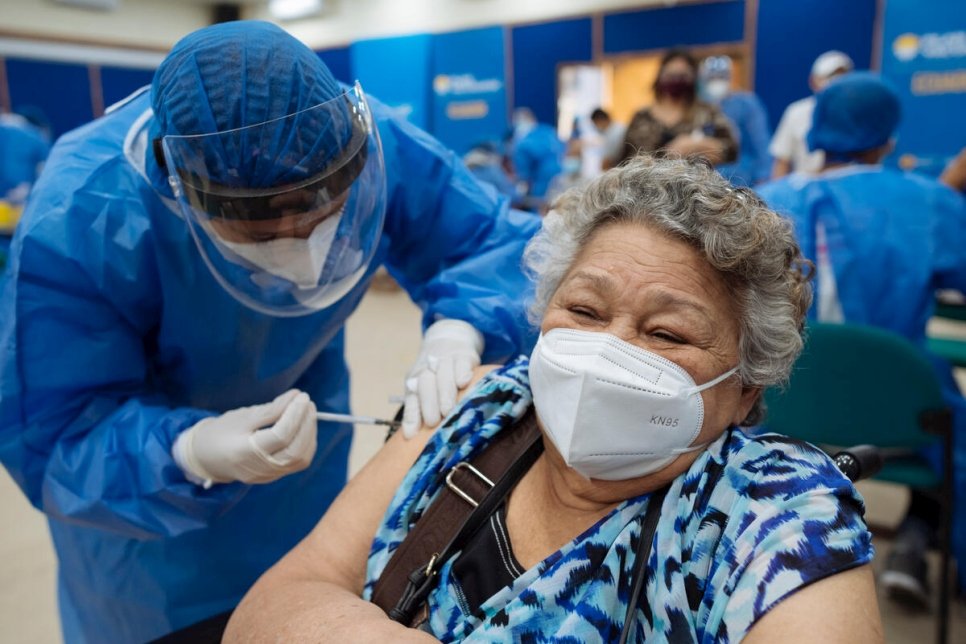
{"type": "Point", "coordinates": [22, 152]}
{"type": "Point", "coordinates": [893, 239]}
{"type": "Point", "coordinates": [753, 166]}
{"type": "Point", "coordinates": [537, 158]}
{"type": "Point", "coordinates": [116, 338]}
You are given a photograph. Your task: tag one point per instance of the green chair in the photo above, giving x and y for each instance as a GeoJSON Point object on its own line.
{"type": "Point", "coordinates": [952, 350]}
{"type": "Point", "coordinates": [857, 384]}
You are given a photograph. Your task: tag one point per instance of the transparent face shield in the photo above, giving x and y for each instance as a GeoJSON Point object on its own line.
{"type": "Point", "coordinates": [287, 214]}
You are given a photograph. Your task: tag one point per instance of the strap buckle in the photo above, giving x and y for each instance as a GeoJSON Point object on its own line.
{"type": "Point", "coordinates": [460, 493]}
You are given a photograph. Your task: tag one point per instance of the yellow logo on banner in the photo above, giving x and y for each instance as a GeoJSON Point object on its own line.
{"type": "Point", "coordinates": [906, 47]}
{"type": "Point", "coordinates": [441, 84]}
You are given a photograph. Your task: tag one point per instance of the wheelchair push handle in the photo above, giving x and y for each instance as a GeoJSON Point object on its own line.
{"type": "Point", "coordinates": [859, 462]}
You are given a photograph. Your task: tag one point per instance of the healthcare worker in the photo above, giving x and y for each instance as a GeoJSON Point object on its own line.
{"type": "Point", "coordinates": [174, 318]}
{"type": "Point", "coordinates": [23, 150]}
{"type": "Point", "coordinates": [485, 162]}
{"type": "Point", "coordinates": [788, 145]}
{"type": "Point", "coordinates": [746, 111]}
{"type": "Point", "coordinates": [537, 153]}
{"type": "Point", "coordinates": [883, 242]}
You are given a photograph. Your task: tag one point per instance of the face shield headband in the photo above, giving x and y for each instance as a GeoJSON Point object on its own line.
{"type": "Point", "coordinates": [305, 239]}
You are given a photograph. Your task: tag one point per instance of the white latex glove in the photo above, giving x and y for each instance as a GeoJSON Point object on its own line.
{"type": "Point", "coordinates": [235, 447]}
{"type": "Point", "coordinates": [451, 350]}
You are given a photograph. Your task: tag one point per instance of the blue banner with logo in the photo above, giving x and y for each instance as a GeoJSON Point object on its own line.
{"type": "Point", "coordinates": [469, 87]}
{"type": "Point", "coordinates": [397, 72]}
{"type": "Point", "coordinates": [924, 55]}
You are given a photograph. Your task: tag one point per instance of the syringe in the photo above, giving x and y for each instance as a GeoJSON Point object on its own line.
{"type": "Point", "coordinates": [361, 420]}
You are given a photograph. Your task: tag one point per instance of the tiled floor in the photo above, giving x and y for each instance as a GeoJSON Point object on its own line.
{"type": "Point", "coordinates": [382, 342]}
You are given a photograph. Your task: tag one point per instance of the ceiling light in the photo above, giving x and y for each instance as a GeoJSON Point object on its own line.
{"type": "Point", "coordinates": [294, 9]}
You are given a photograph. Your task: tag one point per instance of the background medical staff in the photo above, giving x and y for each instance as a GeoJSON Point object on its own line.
{"type": "Point", "coordinates": [537, 154]}
{"type": "Point", "coordinates": [883, 242]}
{"type": "Point", "coordinates": [23, 150]}
{"type": "Point", "coordinates": [788, 145]}
{"type": "Point", "coordinates": [147, 306]}
{"type": "Point", "coordinates": [747, 114]}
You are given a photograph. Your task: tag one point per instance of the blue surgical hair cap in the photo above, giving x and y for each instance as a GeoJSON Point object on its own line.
{"type": "Point", "coordinates": [238, 74]}
{"type": "Point", "coordinates": [856, 112]}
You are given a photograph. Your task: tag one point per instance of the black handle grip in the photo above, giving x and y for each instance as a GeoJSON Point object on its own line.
{"type": "Point", "coordinates": [859, 462]}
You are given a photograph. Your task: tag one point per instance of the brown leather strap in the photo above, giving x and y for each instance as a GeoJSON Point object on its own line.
{"type": "Point", "coordinates": [445, 515]}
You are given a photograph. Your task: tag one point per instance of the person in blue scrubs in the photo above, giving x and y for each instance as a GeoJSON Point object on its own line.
{"type": "Point", "coordinates": [883, 242]}
{"type": "Point", "coordinates": [174, 317]}
{"type": "Point", "coordinates": [746, 111]}
{"type": "Point", "coordinates": [23, 150]}
{"type": "Point", "coordinates": [537, 154]}
{"type": "Point", "coordinates": [485, 162]}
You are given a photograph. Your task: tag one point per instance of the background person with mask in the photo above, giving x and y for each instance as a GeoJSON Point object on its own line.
{"type": "Point", "coordinates": [485, 162]}
{"type": "Point", "coordinates": [598, 141]}
{"type": "Point", "coordinates": [677, 122]}
{"type": "Point", "coordinates": [747, 114]}
{"type": "Point", "coordinates": [173, 318]}
{"type": "Point", "coordinates": [537, 154]}
{"type": "Point", "coordinates": [612, 137]}
{"type": "Point", "coordinates": [883, 242]}
{"type": "Point", "coordinates": [23, 149]}
{"type": "Point", "coordinates": [788, 146]}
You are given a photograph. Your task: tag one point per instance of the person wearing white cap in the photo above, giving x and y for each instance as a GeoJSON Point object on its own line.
{"type": "Point", "coordinates": [788, 145]}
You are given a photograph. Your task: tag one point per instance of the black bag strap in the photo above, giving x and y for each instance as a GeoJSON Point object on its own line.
{"type": "Point", "coordinates": [643, 553]}
{"type": "Point", "coordinates": [468, 499]}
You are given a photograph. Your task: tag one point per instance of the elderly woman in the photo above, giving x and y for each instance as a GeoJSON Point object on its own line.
{"type": "Point", "coordinates": [667, 301]}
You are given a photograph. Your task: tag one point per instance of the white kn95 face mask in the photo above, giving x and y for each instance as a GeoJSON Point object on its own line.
{"type": "Point", "coordinates": [614, 411]}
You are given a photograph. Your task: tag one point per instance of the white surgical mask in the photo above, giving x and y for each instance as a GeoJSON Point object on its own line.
{"type": "Point", "coordinates": [715, 90]}
{"type": "Point", "coordinates": [299, 261]}
{"type": "Point", "coordinates": [614, 411]}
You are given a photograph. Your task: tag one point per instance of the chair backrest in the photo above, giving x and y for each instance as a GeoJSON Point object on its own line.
{"type": "Point", "coordinates": [857, 384]}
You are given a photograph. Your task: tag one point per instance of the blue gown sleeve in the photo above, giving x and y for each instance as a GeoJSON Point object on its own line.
{"type": "Point", "coordinates": [455, 245]}
{"type": "Point", "coordinates": [81, 429]}
{"type": "Point", "coordinates": [524, 162]}
{"type": "Point", "coordinates": [950, 260]}
{"type": "Point", "coordinates": [759, 137]}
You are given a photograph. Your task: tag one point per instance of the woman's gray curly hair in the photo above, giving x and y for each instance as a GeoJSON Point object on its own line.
{"type": "Point", "coordinates": [753, 248]}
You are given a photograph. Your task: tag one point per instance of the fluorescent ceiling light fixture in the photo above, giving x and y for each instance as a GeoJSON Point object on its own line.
{"type": "Point", "coordinates": [294, 9]}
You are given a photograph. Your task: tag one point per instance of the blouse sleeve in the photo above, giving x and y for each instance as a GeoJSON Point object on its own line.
{"type": "Point", "coordinates": [802, 523]}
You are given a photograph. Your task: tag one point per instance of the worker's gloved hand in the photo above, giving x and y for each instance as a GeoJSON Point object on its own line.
{"type": "Point", "coordinates": [257, 444]}
{"type": "Point", "coordinates": [451, 350]}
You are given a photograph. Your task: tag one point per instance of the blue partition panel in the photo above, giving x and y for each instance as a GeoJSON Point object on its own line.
{"type": "Point", "coordinates": [693, 24]}
{"type": "Point", "coordinates": [537, 51]}
{"type": "Point", "coordinates": [397, 72]}
{"type": "Point", "coordinates": [339, 62]}
{"type": "Point", "coordinates": [61, 90]}
{"type": "Point", "coordinates": [119, 82]}
{"type": "Point", "coordinates": [469, 87]}
{"type": "Point", "coordinates": [792, 34]}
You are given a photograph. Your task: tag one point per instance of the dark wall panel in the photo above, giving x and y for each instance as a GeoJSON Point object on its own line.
{"type": "Point", "coordinates": [119, 82]}
{"type": "Point", "coordinates": [339, 62]}
{"type": "Point", "coordinates": [537, 50]}
{"type": "Point", "coordinates": [792, 34]}
{"type": "Point", "coordinates": [694, 24]}
{"type": "Point", "coordinates": [61, 90]}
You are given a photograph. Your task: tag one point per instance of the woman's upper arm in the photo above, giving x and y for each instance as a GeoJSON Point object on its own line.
{"type": "Point", "coordinates": [839, 608]}
{"type": "Point", "coordinates": [337, 549]}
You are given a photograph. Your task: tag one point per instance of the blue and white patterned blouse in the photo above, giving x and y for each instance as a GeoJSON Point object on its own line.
{"type": "Point", "coordinates": [752, 520]}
